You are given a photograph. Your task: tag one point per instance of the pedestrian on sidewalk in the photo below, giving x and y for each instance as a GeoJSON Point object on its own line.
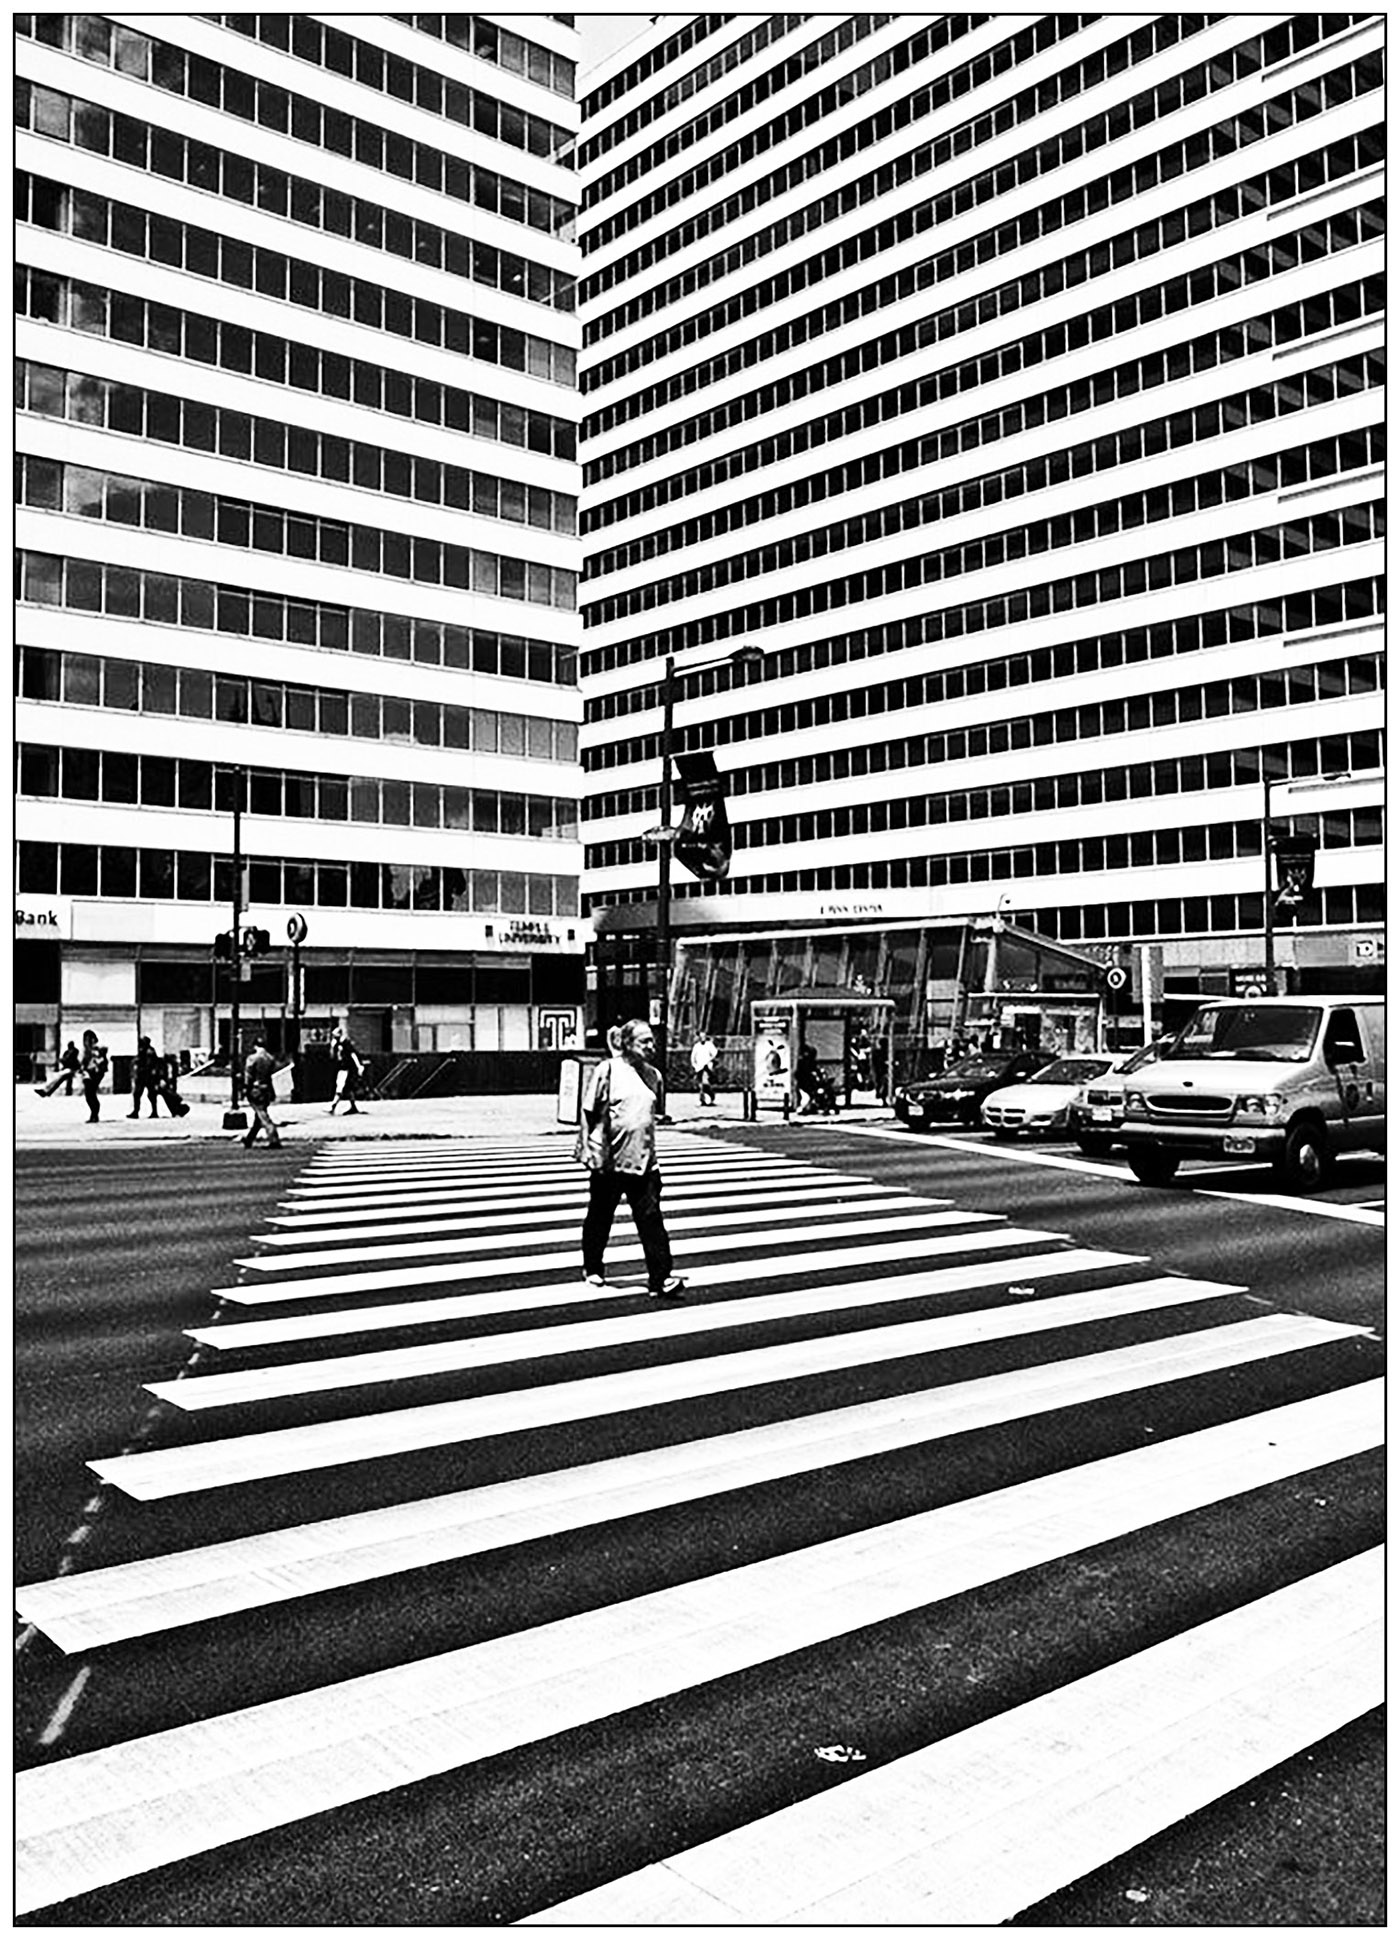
{"type": "Point", "coordinates": [257, 1089]}
{"type": "Point", "coordinates": [617, 1142]}
{"type": "Point", "coordinates": [703, 1054]}
{"type": "Point", "coordinates": [68, 1064]}
{"type": "Point", "coordinates": [349, 1069]}
{"type": "Point", "coordinates": [146, 1074]}
{"type": "Point", "coordinates": [93, 1069]}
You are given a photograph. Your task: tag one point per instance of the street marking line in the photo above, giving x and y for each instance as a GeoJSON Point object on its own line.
{"type": "Point", "coordinates": [278, 1453]}
{"type": "Point", "coordinates": [125, 1600]}
{"type": "Point", "coordinates": [871, 1221]}
{"type": "Point", "coordinates": [1319, 1208]}
{"type": "Point", "coordinates": [536, 1208]}
{"type": "Point", "coordinates": [53, 1731]}
{"type": "Point", "coordinates": [975, 1829]}
{"type": "Point", "coordinates": [460, 1356]}
{"type": "Point", "coordinates": [321, 1323]}
{"type": "Point", "coordinates": [323, 1286]}
{"type": "Point", "coordinates": [681, 1212]}
{"type": "Point", "coordinates": [572, 1181]}
{"type": "Point", "coordinates": [101, 1816]}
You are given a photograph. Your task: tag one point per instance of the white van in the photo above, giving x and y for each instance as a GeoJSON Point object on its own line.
{"type": "Point", "coordinates": [1291, 1079]}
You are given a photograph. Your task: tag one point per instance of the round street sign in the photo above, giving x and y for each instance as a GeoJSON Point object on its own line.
{"type": "Point", "coordinates": [1117, 977]}
{"type": "Point", "coordinates": [296, 929]}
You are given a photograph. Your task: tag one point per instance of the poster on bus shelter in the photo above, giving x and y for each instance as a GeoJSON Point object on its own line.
{"type": "Point", "coordinates": [772, 1057]}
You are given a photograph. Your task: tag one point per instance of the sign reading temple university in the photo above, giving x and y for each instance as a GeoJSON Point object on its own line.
{"type": "Point", "coordinates": [39, 918]}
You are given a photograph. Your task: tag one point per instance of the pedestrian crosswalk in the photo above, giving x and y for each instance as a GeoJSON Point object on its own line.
{"type": "Point", "coordinates": [873, 1408]}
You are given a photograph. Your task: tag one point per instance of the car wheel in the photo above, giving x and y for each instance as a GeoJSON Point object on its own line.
{"type": "Point", "coordinates": [1303, 1164]}
{"type": "Point", "coordinates": [1094, 1148]}
{"type": "Point", "coordinates": [1152, 1168]}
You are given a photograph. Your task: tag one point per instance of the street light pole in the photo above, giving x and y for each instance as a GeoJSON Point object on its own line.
{"type": "Point", "coordinates": [663, 868]}
{"type": "Point", "coordinates": [235, 962]}
{"type": "Point", "coordinates": [1268, 877]}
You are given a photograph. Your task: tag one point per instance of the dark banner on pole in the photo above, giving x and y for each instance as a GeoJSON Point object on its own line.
{"type": "Point", "coordinates": [704, 841]}
{"type": "Point", "coordinates": [1294, 856]}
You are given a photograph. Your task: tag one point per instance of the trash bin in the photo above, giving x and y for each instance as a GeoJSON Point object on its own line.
{"type": "Point", "coordinates": [574, 1067]}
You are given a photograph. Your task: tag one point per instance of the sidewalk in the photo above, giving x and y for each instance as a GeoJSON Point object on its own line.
{"type": "Point", "coordinates": [60, 1121]}
{"type": "Point", "coordinates": [63, 1121]}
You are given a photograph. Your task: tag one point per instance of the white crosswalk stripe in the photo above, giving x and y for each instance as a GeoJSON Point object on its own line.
{"type": "Point", "coordinates": [900, 1323]}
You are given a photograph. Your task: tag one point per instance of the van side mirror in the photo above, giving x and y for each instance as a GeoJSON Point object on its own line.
{"type": "Point", "coordinates": [1344, 1050]}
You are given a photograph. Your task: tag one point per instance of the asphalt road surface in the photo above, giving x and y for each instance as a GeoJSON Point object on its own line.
{"type": "Point", "coordinates": [985, 1539]}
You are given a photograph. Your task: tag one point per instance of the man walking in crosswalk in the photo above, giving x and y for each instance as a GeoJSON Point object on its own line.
{"type": "Point", "coordinates": [618, 1144]}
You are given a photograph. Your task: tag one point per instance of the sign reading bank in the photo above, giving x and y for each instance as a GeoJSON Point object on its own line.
{"type": "Point", "coordinates": [42, 917]}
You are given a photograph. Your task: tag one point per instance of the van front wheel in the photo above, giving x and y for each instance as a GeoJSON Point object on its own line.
{"type": "Point", "coordinates": [1303, 1163]}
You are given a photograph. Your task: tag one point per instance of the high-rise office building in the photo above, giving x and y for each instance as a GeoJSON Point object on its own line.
{"type": "Point", "coordinates": [1014, 384]}
{"type": "Point", "coordinates": [297, 483]}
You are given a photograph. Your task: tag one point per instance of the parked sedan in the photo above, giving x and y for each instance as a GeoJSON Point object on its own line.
{"type": "Point", "coordinates": [1096, 1114]}
{"type": "Point", "coordinates": [1042, 1103]}
{"type": "Point", "coordinates": [956, 1095]}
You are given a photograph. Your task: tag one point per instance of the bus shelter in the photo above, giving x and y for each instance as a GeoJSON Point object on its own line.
{"type": "Point", "coordinates": [849, 1034]}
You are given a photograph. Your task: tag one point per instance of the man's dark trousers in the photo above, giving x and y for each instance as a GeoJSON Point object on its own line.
{"type": "Point", "coordinates": [643, 1190]}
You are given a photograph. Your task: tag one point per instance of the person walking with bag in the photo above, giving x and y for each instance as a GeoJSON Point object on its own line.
{"type": "Point", "coordinates": [257, 1089]}
{"type": "Point", "coordinates": [617, 1142]}
{"type": "Point", "coordinates": [93, 1070]}
{"type": "Point", "coordinates": [146, 1078]}
{"type": "Point", "coordinates": [349, 1066]}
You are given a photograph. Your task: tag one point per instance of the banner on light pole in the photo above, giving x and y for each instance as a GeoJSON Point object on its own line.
{"type": "Point", "coordinates": [704, 842]}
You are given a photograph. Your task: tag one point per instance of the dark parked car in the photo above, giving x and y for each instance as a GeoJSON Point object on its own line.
{"type": "Point", "coordinates": [956, 1096]}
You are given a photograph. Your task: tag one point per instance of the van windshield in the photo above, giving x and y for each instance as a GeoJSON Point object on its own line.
{"type": "Point", "coordinates": [1260, 1033]}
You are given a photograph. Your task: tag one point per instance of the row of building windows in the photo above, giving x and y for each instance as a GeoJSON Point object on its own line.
{"type": "Point", "coordinates": [1331, 909]}
{"type": "Point", "coordinates": [473, 34]}
{"type": "Point", "coordinates": [162, 781]}
{"type": "Point", "coordinates": [1289, 38]}
{"type": "Point", "coordinates": [49, 485]}
{"type": "Point", "coordinates": [99, 312]}
{"type": "Point", "coordinates": [164, 419]}
{"type": "Point", "coordinates": [1286, 468]}
{"type": "Point", "coordinates": [1358, 525]}
{"type": "Point", "coordinates": [855, 192]}
{"type": "Point", "coordinates": [162, 599]}
{"type": "Point", "coordinates": [1336, 163]}
{"type": "Point", "coordinates": [1304, 318]}
{"type": "Point", "coordinates": [1245, 694]}
{"type": "Point", "coordinates": [696, 29]}
{"type": "Point", "coordinates": [1142, 849]}
{"type": "Point", "coordinates": [1096, 787]}
{"type": "Point", "coordinates": [146, 687]}
{"type": "Point", "coordinates": [1311, 609]}
{"type": "Point", "coordinates": [741, 101]}
{"type": "Point", "coordinates": [93, 38]}
{"type": "Point", "coordinates": [1264, 402]}
{"type": "Point", "coordinates": [1136, 921]}
{"type": "Point", "coordinates": [103, 131]}
{"type": "Point", "coordinates": [662, 100]}
{"type": "Point", "coordinates": [179, 158]}
{"type": "Point", "coordinates": [1349, 304]}
{"type": "Point", "coordinates": [1125, 185]}
{"type": "Point", "coordinates": [249, 266]}
{"type": "Point", "coordinates": [353, 979]}
{"type": "Point", "coordinates": [192, 876]}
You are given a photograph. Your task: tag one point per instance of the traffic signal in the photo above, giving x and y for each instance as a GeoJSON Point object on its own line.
{"type": "Point", "coordinates": [223, 945]}
{"type": "Point", "coordinates": [255, 942]}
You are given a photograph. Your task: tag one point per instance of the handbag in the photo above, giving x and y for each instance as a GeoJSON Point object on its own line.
{"type": "Point", "coordinates": [592, 1147]}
